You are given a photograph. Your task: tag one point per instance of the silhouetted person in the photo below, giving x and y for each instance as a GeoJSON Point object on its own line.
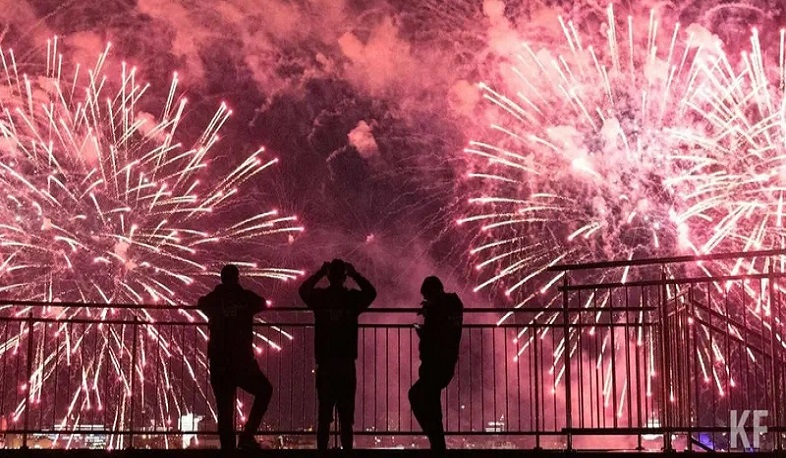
{"type": "Point", "coordinates": [440, 336]}
{"type": "Point", "coordinates": [230, 310]}
{"type": "Point", "coordinates": [336, 310]}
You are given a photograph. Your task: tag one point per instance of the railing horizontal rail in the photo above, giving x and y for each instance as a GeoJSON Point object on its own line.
{"type": "Point", "coordinates": [306, 325]}
{"type": "Point", "coordinates": [670, 281]}
{"type": "Point", "coordinates": [665, 260]}
{"type": "Point", "coordinates": [285, 432]}
{"type": "Point", "coordinates": [172, 308]}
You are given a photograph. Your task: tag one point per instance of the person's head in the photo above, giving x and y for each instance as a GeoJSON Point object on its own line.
{"type": "Point", "coordinates": [230, 275]}
{"type": "Point", "coordinates": [432, 288]}
{"type": "Point", "coordinates": [337, 272]}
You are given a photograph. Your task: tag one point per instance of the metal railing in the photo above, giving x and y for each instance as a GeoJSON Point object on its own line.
{"type": "Point", "coordinates": [712, 358]}
{"type": "Point", "coordinates": [636, 355]}
{"type": "Point", "coordinates": [123, 375]}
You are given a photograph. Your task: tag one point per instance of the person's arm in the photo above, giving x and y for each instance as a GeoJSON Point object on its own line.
{"type": "Point", "coordinates": [427, 330]}
{"type": "Point", "coordinates": [255, 302]}
{"type": "Point", "coordinates": [367, 293]}
{"type": "Point", "coordinates": [308, 288]}
{"type": "Point", "coordinates": [205, 304]}
{"type": "Point", "coordinates": [456, 325]}
{"type": "Point", "coordinates": [459, 315]}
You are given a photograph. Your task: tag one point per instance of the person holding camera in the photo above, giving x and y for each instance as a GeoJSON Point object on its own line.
{"type": "Point", "coordinates": [440, 336]}
{"type": "Point", "coordinates": [336, 311]}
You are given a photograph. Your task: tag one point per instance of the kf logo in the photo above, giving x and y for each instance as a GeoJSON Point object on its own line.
{"type": "Point", "coordinates": [737, 428]}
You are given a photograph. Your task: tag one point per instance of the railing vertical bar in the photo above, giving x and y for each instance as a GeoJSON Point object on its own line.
{"type": "Point", "coordinates": [157, 369]}
{"type": "Point", "coordinates": [580, 358]}
{"type": "Point", "coordinates": [568, 379]}
{"type": "Point", "coordinates": [398, 382]}
{"type": "Point", "coordinates": [194, 388]}
{"type": "Point", "coordinates": [628, 369]}
{"type": "Point", "coordinates": [628, 387]}
{"type": "Point", "coordinates": [29, 374]}
{"type": "Point", "coordinates": [639, 332]}
{"type": "Point", "coordinates": [304, 371]}
{"type": "Point", "coordinates": [613, 351]}
{"type": "Point", "coordinates": [387, 380]}
{"type": "Point", "coordinates": [4, 374]}
{"type": "Point", "coordinates": [778, 317]}
{"type": "Point", "coordinates": [774, 349]}
{"type": "Point", "coordinates": [694, 419]}
{"type": "Point", "coordinates": [412, 370]}
{"type": "Point", "coordinates": [471, 386]}
{"type": "Point", "coordinates": [507, 379]}
{"type": "Point", "coordinates": [726, 330]}
{"type": "Point", "coordinates": [665, 365]}
{"type": "Point", "coordinates": [693, 407]}
{"type": "Point", "coordinates": [494, 374]}
{"type": "Point", "coordinates": [56, 377]}
{"type": "Point", "coordinates": [536, 370]}
{"type": "Point", "coordinates": [746, 358]}
{"type": "Point", "coordinates": [132, 395]}
{"type": "Point", "coordinates": [482, 379]}
{"type": "Point", "coordinates": [41, 351]}
{"type": "Point", "coordinates": [376, 386]}
{"type": "Point", "coordinates": [279, 355]}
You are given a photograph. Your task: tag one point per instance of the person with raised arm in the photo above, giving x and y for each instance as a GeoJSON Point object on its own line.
{"type": "Point", "coordinates": [336, 311]}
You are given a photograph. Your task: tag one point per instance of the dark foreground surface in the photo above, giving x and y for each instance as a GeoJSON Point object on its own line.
{"type": "Point", "coordinates": [38, 453]}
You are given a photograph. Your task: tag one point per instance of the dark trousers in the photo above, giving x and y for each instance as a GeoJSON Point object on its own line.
{"type": "Point", "coordinates": [425, 397]}
{"type": "Point", "coordinates": [226, 378]}
{"type": "Point", "coordinates": [336, 384]}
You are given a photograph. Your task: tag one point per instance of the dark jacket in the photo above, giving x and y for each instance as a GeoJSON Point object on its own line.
{"type": "Point", "coordinates": [440, 335]}
{"type": "Point", "coordinates": [230, 311]}
{"type": "Point", "coordinates": [336, 312]}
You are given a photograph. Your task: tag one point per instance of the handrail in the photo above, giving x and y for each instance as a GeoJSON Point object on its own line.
{"type": "Point", "coordinates": [664, 260]}
{"type": "Point", "coordinates": [174, 308]}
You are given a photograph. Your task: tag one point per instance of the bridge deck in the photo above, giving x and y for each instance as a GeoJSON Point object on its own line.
{"type": "Point", "coordinates": [359, 453]}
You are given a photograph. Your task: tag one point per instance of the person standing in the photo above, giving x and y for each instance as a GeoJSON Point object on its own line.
{"type": "Point", "coordinates": [440, 337]}
{"type": "Point", "coordinates": [336, 311]}
{"type": "Point", "coordinates": [230, 311]}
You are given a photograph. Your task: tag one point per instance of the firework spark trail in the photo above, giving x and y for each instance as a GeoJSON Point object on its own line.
{"type": "Point", "coordinates": [627, 150]}
{"type": "Point", "coordinates": [104, 205]}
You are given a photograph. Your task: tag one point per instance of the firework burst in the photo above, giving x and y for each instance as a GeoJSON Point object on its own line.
{"type": "Point", "coordinates": [582, 143]}
{"type": "Point", "coordinates": [104, 204]}
{"type": "Point", "coordinates": [645, 146]}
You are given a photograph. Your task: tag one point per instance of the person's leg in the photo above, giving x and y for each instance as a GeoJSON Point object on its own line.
{"type": "Point", "coordinates": [436, 435]}
{"type": "Point", "coordinates": [417, 401]}
{"type": "Point", "coordinates": [224, 391]}
{"type": "Point", "coordinates": [254, 382]}
{"type": "Point", "coordinates": [425, 398]}
{"type": "Point", "coordinates": [326, 401]}
{"type": "Point", "coordinates": [345, 405]}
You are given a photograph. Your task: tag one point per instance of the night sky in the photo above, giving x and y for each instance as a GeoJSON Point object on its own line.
{"type": "Point", "coordinates": [368, 103]}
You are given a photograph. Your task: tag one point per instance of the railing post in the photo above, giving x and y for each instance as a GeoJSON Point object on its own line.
{"type": "Point", "coordinates": [29, 373]}
{"type": "Point", "coordinates": [566, 336]}
{"type": "Point", "coordinates": [132, 414]}
{"type": "Point", "coordinates": [665, 363]}
{"type": "Point", "coordinates": [536, 365]}
{"type": "Point", "coordinates": [774, 314]}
